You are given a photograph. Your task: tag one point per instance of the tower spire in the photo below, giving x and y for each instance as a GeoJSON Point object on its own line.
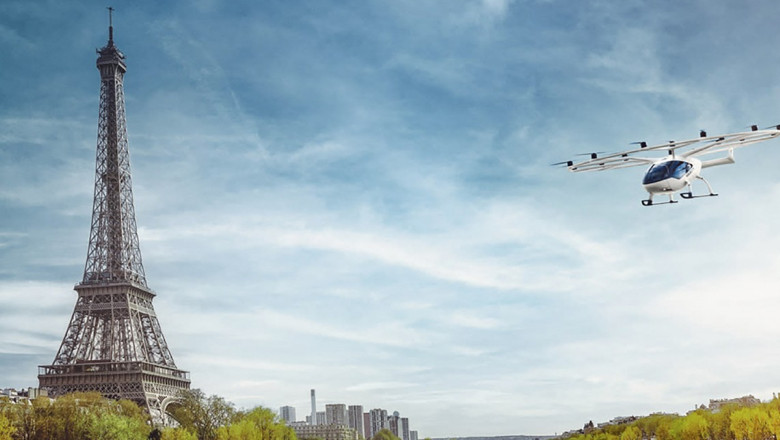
{"type": "Point", "coordinates": [110, 26]}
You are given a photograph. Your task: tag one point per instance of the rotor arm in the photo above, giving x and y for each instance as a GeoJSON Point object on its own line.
{"type": "Point", "coordinates": [720, 161]}
{"type": "Point", "coordinates": [610, 163]}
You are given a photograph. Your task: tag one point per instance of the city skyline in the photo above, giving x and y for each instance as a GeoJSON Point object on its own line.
{"type": "Point", "coordinates": [364, 424]}
{"type": "Point", "coordinates": [357, 198]}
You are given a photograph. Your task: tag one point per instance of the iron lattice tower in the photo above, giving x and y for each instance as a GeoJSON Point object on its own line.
{"type": "Point", "coordinates": [114, 343]}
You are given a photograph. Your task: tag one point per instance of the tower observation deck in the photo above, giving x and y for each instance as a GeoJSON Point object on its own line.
{"type": "Point", "coordinates": [114, 343]}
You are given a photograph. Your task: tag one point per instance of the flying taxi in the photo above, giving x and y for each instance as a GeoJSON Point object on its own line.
{"type": "Point", "coordinates": [674, 166]}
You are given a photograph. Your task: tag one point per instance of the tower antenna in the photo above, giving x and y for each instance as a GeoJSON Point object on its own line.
{"type": "Point", "coordinates": [110, 26]}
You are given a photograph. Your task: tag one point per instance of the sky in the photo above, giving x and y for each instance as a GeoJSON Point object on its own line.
{"type": "Point", "coordinates": [357, 197]}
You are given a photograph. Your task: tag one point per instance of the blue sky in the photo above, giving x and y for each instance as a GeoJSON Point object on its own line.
{"type": "Point", "coordinates": [356, 197]}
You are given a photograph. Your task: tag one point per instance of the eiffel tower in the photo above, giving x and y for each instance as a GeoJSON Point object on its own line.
{"type": "Point", "coordinates": [114, 343]}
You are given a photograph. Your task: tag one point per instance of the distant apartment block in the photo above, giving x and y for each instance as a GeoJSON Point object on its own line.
{"type": "Point", "coordinates": [403, 429]}
{"type": "Point", "coordinates": [320, 419]}
{"type": "Point", "coordinates": [367, 426]}
{"type": "Point", "coordinates": [287, 413]}
{"type": "Point", "coordinates": [355, 418]}
{"type": "Point", "coordinates": [392, 423]}
{"type": "Point", "coordinates": [324, 432]}
{"type": "Point", "coordinates": [336, 414]}
{"type": "Point", "coordinates": [377, 421]}
{"type": "Point", "coordinates": [412, 435]}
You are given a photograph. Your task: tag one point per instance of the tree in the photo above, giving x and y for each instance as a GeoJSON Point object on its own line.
{"type": "Point", "coordinates": [384, 434]}
{"type": "Point", "coordinates": [6, 428]}
{"type": "Point", "coordinates": [177, 434]}
{"type": "Point", "coordinates": [82, 416]}
{"type": "Point", "coordinates": [691, 427]}
{"type": "Point", "coordinates": [652, 424]}
{"type": "Point", "coordinates": [605, 436]}
{"type": "Point", "coordinates": [257, 424]}
{"type": "Point", "coordinates": [202, 415]}
{"type": "Point", "coordinates": [720, 422]}
{"type": "Point", "coordinates": [774, 421]}
{"type": "Point", "coordinates": [750, 424]}
{"type": "Point", "coordinates": [631, 433]}
{"type": "Point", "coordinates": [110, 425]}
{"type": "Point", "coordinates": [663, 431]}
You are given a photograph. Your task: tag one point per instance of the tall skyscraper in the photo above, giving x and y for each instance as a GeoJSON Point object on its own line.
{"type": "Point", "coordinates": [367, 426]}
{"type": "Point", "coordinates": [378, 418]}
{"type": "Point", "coordinates": [393, 421]}
{"type": "Point", "coordinates": [355, 418]}
{"type": "Point", "coordinates": [313, 408]}
{"type": "Point", "coordinates": [114, 343]}
{"type": "Point", "coordinates": [336, 414]}
{"type": "Point", "coordinates": [287, 413]}
{"type": "Point", "coordinates": [403, 429]}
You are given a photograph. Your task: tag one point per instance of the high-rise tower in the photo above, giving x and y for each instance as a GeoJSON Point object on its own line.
{"type": "Point", "coordinates": [114, 343]}
{"type": "Point", "coordinates": [313, 408]}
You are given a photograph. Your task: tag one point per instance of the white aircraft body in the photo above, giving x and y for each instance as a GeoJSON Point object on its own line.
{"type": "Point", "coordinates": [680, 163]}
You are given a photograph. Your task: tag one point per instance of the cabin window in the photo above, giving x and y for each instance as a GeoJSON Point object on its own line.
{"type": "Point", "coordinates": [670, 169]}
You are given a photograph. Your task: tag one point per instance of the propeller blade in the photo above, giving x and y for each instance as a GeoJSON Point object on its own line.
{"type": "Point", "coordinates": [592, 155]}
{"type": "Point", "coordinates": [642, 144]}
{"type": "Point", "coordinates": [568, 163]}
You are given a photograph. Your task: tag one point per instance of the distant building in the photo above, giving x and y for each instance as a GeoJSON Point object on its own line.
{"type": "Point", "coordinates": [287, 413]}
{"type": "Point", "coordinates": [749, 400]}
{"type": "Point", "coordinates": [336, 414]}
{"type": "Point", "coordinates": [355, 418]}
{"type": "Point", "coordinates": [367, 426]}
{"type": "Point", "coordinates": [11, 394]}
{"type": "Point", "coordinates": [320, 420]}
{"type": "Point", "coordinates": [412, 435]}
{"type": "Point", "coordinates": [313, 408]}
{"type": "Point", "coordinates": [403, 429]}
{"type": "Point", "coordinates": [377, 421]}
{"type": "Point", "coordinates": [393, 422]}
{"type": "Point", "coordinates": [22, 396]}
{"type": "Point", "coordinates": [324, 432]}
{"type": "Point", "coordinates": [398, 425]}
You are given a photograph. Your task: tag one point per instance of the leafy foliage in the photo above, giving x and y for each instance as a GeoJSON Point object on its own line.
{"type": "Point", "coordinates": [259, 423]}
{"type": "Point", "coordinates": [177, 434]}
{"type": "Point", "coordinates": [202, 415]}
{"type": "Point", "coordinates": [82, 416]}
{"type": "Point", "coordinates": [731, 422]}
{"type": "Point", "coordinates": [213, 418]}
{"type": "Point", "coordinates": [89, 416]}
{"type": "Point", "coordinates": [384, 434]}
{"type": "Point", "coordinates": [6, 428]}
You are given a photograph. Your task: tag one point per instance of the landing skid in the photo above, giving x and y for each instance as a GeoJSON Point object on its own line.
{"type": "Point", "coordinates": [689, 195]}
{"type": "Point", "coordinates": [649, 202]}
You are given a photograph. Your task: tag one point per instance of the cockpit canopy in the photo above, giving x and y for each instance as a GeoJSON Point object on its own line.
{"type": "Point", "coordinates": [665, 170]}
